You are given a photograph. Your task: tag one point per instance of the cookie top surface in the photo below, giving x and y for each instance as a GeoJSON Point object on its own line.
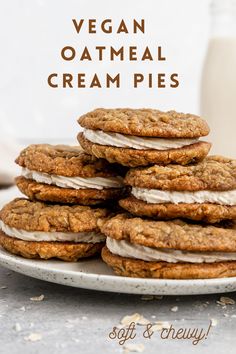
{"type": "Point", "coordinates": [36, 216]}
{"type": "Point", "coordinates": [176, 234]}
{"type": "Point", "coordinates": [213, 173]}
{"type": "Point", "coordinates": [145, 122]}
{"type": "Point", "coordinates": [63, 160]}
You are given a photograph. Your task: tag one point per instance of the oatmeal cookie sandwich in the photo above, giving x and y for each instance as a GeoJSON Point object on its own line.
{"type": "Point", "coordinates": [175, 249]}
{"type": "Point", "coordinates": [38, 230]}
{"type": "Point", "coordinates": [205, 191]}
{"type": "Point", "coordinates": [140, 137]}
{"type": "Point", "coordinates": [65, 174]}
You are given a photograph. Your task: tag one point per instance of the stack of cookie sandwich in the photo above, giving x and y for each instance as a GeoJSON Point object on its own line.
{"type": "Point", "coordinates": [68, 191]}
{"type": "Point", "coordinates": [179, 219]}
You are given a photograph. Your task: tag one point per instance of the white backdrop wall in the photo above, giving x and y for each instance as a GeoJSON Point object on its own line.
{"type": "Point", "coordinates": [32, 33]}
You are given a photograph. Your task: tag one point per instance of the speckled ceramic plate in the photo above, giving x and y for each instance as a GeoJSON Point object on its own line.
{"type": "Point", "coordinates": [94, 274]}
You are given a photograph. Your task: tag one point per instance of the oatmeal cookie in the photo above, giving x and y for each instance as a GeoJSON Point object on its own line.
{"type": "Point", "coordinates": [216, 173]}
{"type": "Point", "coordinates": [36, 216]}
{"type": "Point", "coordinates": [66, 251]}
{"type": "Point", "coordinates": [175, 249]}
{"type": "Point", "coordinates": [205, 191]}
{"type": "Point", "coordinates": [39, 230]}
{"type": "Point", "coordinates": [176, 234]}
{"type": "Point", "coordinates": [65, 174]}
{"type": "Point", "coordinates": [141, 137]}
{"type": "Point", "coordinates": [88, 196]}
{"type": "Point", "coordinates": [133, 158]}
{"type": "Point", "coordinates": [207, 212]}
{"type": "Point", "coordinates": [136, 268]}
{"type": "Point", "coordinates": [145, 122]}
{"type": "Point", "coordinates": [64, 160]}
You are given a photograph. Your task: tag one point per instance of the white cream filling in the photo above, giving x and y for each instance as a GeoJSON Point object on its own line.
{"type": "Point", "coordinates": [124, 248]}
{"type": "Point", "coordinates": [135, 142]}
{"type": "Point", "coordinates": [156, 196]}
{"type": "Point", "coordinates": [73, 182]}
{"type": "Point", "coordinates": [86, 237]}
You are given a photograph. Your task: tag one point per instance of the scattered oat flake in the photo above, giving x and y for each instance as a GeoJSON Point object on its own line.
{"type": "Point", "coordinates": [22, 308]}
{"type": "Point", "coordinates": [174, 309]}
{"type": "Point", "coordinates": [143, 321]}
{"type": "Point", "coordinates": [233, 316]}
{"type": "Point", "coordinates": [130, 318]}
{"type": "Point", "coordinates": [214, 322]}
{"type": "Point", "coordinates": [17, 327]}
{"type": "Point", "coordinates": [224, 300]}
{"type": "Point", "coordinates": [33, 337]}
{"type": "Point", "coordinates": [3, 287]}
{"type": "Point", "coordinates": [159, 325]}
{"type": "Point", "coordinates": [132, 347]}
{"type": "Point", "coordinates": [37, 298]}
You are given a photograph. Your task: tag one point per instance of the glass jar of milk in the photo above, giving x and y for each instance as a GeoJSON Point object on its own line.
{"type": "Point", "coordinates": [218, 87]}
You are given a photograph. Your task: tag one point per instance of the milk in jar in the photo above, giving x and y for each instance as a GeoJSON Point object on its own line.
{"type": "Point", "coordinates": [218, 86]}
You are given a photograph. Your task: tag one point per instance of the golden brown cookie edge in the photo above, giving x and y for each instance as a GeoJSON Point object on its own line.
{"type": "Point", "coordinates": [69, 252]}
{"type": "Point", "coordinates": [24, 214]}
{"type": "Point", "coordinates": [210, 213]}
{"type": "Point", "coordinates": [171, 234]}
{"type": "Point", "coordinates": [136, 268]}
{"type": "Point", "coordinates": [145, 122]}
{"type": "Point", "coordinates": [133, 158]}
{"type": "Point", "coordinates": [50, 193]}
{"type": "Point", "coordinates": [45, 158]}
{"type": "Point", "coordinates": [214, 173]}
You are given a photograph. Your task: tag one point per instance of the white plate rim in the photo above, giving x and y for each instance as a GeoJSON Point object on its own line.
{"type": "Point", "coordinates": [114, 283]}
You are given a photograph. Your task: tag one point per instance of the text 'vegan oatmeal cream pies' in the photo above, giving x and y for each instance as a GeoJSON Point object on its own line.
{"type": "Point", "coordinates": [38, 230]}
{"type": "Point", "coordinates": [65, 174]}
{"type": "Point", "coordinates": [205, 191]}
{"type": "Point", "coordinates": [140, 137]}
{"type": "Point", "coordinates": [144, 248]}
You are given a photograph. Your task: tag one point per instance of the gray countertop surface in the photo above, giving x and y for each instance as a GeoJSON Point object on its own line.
{"type": "Point", "coordinates": [73, 320]}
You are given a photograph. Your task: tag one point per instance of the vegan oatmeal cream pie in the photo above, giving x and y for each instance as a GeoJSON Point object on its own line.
{"type": "Point", "coordinates": [140, 137]}
{"type": "Point", "coordinates": [175, 249]}
{"type": "Point", "coordinates": [205, 191]}
{"type": "Point", "coordinates": [65, 174]}
{"type": "Point", "coordinates": [38, 230]}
